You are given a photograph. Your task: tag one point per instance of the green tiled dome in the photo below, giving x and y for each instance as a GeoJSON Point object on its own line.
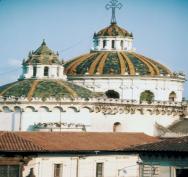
{"type": "Point", "coordinates": [115, 63]}
{"type": "Point", "coordinates": [44, 89]}
{"type": "Point", "coordinates": [43, 55]}
{"type": "Point", "coordinates": [113, 30]}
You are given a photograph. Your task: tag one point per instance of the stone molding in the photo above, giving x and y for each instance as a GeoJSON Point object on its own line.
{"type": "Point", "coordinates": [100, 105]}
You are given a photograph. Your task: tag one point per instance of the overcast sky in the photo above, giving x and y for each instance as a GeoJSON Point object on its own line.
{"type": "Point", "coordinates": [159, 27]}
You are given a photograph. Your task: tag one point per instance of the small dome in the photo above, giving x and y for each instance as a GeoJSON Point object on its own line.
{"type": "Point", "coordinates": [43, 55]}
{"type": "Point", "coordinates": [44, 89]}
{"type": "Point", "coordinates": [113, 30]}
{"type": "Point", "coordinates": [114, 63]}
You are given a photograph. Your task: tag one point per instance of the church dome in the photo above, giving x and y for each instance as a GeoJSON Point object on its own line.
{"type": "Point", "coordinates": [115, 63]}
{"type": "Point", "coordinates": [44, 89]}
{"type": "Point", "coordinates": [113, 30]}
{"type": "Point", "coordinates": [43, 55]}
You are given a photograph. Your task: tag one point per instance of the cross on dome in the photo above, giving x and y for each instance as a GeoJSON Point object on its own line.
{"type": "Point", "coordinates": [113, 4]}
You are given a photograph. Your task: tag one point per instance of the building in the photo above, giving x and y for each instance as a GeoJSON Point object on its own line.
{"type": "Point", "coordinates": [68, 154]}
{"type": "Point", "coordinates": [110, 89]}
{"type": "Point", "coordinates": [83, 154]}
{"type": "Point", "coordinates": [96, 115]}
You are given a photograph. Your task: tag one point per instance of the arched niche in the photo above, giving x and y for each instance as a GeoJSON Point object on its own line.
{"type": "Point", "coordinates": [17, 109]}
{"type": "Point", "coordinates": [172, 96]}
{"type": "Point", "coordinates": [6, 109]}
{"type": "Point", "coordinates": [57, 109]}
{"type": "Point", "coordinates": [87, 108]}
{"type": "Point", "coordinates": [112, 94]}
{"type": "Point", "coordinates": [30, 109]}
{"type": "Point", "coordinates": [117, 127]}
{"type": "Point", "coordinates": [72, 109]}
{"type": "Point", "coordinates": [147, 96]}
{"type": "Point", "coordinates": [44, 109]}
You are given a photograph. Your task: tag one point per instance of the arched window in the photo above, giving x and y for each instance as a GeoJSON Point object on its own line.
{"type": "Point", "coordinates": [112, 94]}
{"type": "Point", "coordinates": [121, 44]}
{"type": "Point", "coordinates": [34, 71]}
{"type": "Point", "coordinates": [104, 43]}
{"type": "Point", "coordinates": [57, 71]}
{"type": "Point", "coordinates": [117, 127]}
{"type": "Point", "coordinates": [147, 96]}
{"type": "Point", "coordinates": [172, 96]}
{"type": "Point", "coordinates": [46, 71]}
{"type": "Point", "coordinates": [113, 44]}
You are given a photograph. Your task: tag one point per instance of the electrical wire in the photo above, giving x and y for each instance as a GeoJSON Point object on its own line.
{"type": "Point", "coordinates": [10, 71]}
{"type": "Point", "coordinates": [72, 46]}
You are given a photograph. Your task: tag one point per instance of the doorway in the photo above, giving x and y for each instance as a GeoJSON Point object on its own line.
{"type": "Point", "coordinates": [182, 172]}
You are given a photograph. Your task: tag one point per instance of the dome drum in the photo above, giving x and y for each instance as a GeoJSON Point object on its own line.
{"type": "Point", "coordinates": [43, 72]}
{"type": "Point", "coordinates": [112, 38]}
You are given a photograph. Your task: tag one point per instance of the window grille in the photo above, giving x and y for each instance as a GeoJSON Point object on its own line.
{"type": "Point", "coordinates": [99, 169]}
{"type": "Point", "coordinates": [9, 171]}
{"type": "Point", "coordinates": [58, 170]}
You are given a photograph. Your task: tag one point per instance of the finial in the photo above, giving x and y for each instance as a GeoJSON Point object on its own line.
{"type": "Point", "coordinates": [113, 4]}
{"type": "Point", "coordinates": [43, 42]}
{"type": "Point", "coordinates": [94, 35]}
{"type": "Point", "coordinates": [30, 54]}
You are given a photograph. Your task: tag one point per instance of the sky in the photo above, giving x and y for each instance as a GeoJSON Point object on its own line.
{"type": "Point", "coordinates": [160, 29]}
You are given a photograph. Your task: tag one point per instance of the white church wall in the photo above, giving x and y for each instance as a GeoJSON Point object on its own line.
{"type": "Point", "coordinates": [9, 121]}
{"type": "Point", "coordinates": [75, 119]}
{"type": "Point", "coordinates": [131, 88]}
{"type": "Point", "coordinates": [84, 166]}
{"type": "Point", "coordinates": [71, 116]}
{"type": "Point", "coordinates": [131, 122]}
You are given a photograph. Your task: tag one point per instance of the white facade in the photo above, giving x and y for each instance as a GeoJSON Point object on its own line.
{"type": "Point", "coordinates": [95, 115]}
{"type": "Point", "coordinates": [84, 166]}
{"type": "Point", "coordinates": [126, 113]}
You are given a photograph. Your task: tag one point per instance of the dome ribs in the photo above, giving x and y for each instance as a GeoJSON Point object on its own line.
{"type": "Point", "coordinates": [130, 64]}
{"type": "Point", "coordinates": [72, 67]}
{"type": "Point", "coordinates": [116, 63]}
{"type": "Point", "coordinates": [151, 70]}
{"type": "Point", "coordinates": [8, 88]}
{"type": "Point", "coordinates": [94, 64]}
{"type": "Point", "coordinates": [101, 64]}
{"type": "Point", "coordinates": [162, 66]}
{"type": "Point", "coordinates": [157, 72]}
{"type": "Point", "coordinates": [122, 30]}
{"type": "Point", "coordinates": [70, 90]}
{"type": "Point", "coordinates": [122, 63]}
{"type": "Point", "coordinates": [113, 30]}
{"type": "Point", "coordinates": [33, 88]}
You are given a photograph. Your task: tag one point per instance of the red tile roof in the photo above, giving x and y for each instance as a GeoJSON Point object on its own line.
{"type": "Point", "coordinates": [165, 145]}
{"type": "Point", "coordinates": [69, 141]}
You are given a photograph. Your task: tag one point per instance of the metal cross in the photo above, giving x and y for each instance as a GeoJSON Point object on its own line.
{"type": "Point", "coordinates": [114, 4]}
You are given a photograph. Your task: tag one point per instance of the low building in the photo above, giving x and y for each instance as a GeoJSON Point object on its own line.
{"type": "Point", "coordinates": [166, 158]}
{"type": "Point", "coordinates": [68, 154]}
{"type": "Point", "coordinates": [54, 154]}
